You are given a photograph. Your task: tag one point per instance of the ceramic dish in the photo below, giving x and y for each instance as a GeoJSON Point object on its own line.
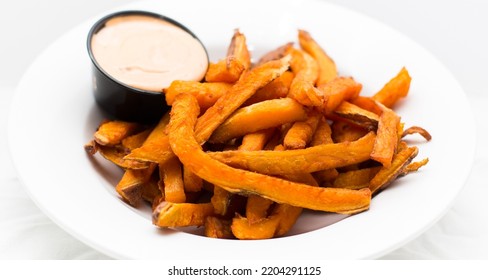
{"type": "Point", "coordinates": [54, 114]}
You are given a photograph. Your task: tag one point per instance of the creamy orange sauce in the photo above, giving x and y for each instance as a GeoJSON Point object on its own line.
{"type": "Point", "coordinates": [148, 53]}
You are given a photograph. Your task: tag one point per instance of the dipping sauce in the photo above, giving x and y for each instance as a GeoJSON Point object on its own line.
{"type": "Point", "coordinates": [148, 53]}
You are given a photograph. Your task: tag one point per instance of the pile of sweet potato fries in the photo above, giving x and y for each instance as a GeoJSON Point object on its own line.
{"type": "Point", "coordinates": [245, 151]}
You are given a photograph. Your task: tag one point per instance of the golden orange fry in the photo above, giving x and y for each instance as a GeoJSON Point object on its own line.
{"type": "Point", "coordinates": [327, 67]}
{"type": "Point", "coordinates": [300, 161]}
{"type": "Point", "coordinates": [259, 116]}
{"type": "Point", "coordinates": [183, 142]}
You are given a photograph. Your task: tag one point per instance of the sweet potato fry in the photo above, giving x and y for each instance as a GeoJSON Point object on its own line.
{"type": "Point", "coordinates": [367, 103]}
{"type": "Point", "coordinates": [206, 93]}
{"type": "Point", "coordinates": [278, 88]}
{"type": "Point", "coordinates": [327, 67]}
{"type": "Point", "coordinates": [168, 214]}
{"type": "Point", "coordinates": [419, 130]}
{"type": "Point", "coordinates": [242, 229]}
{"type": "Point", "coordinates": [218, 228]}
{"type": "Point", "coordinates": [150, 190]}
{"type": "Point", "coordinates": [156, 147]}
{"type": "Point", "coordinates": [386, 175]}
{"type": "Point", "coordinates": [221, 200]}
{"type": "Point", "coordinates": [357, 115]}
{"type": "Point", "coordinates": [112, 132]}
{"type": "Point", "coordinates": [387, 137]}
{"type": "Point", "coordinates": [116, 155]}
{"type": "Point", "coordinates": [191, 181]}
{"type": "Point", "coordinates": [129, 187]}
{"type": "Point", "coordinates": [287, 216]}
{"type": "Point", "coordinates": [238, 60]}
{"type": "Point", "coordinates": [414, 166]}
{"type": "Point", "coordinates": [337, 90]}
{"type": "Point", "coordinates": [257, 140]}
{"type": "Point", "coordinates": [355, 179]}
{"type": "Point", "coordinates": [183, 142]}
{"type": "Point", "coordinates": [302, 87]}
{"type": "Point", "coordinates": [323, 133]}
{"type": "Point", "coordinates": [257, 208]}
{"type": "Point", "coordinates": [250, 82]}
{"type": "Point", "coordinates": [135, 141]}
{"type": "Point", "coordinates": [275, 54]}
{"type": "Point", "coordinates": [301, 133]}
{"type": "Point", "coordinates": [343, 131]}
{"type": "Point", "coordinates": [395, 89]}
{"type": "Point", "coordinates": [172, 181]}
{"type": "Point", "coordinates": [259, 116]}
{"type": "Point", "coordinates": [302, 161]}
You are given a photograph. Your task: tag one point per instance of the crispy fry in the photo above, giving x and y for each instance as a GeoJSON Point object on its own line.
{"type": "Point", "coordinates": [355, 179]}
{"type": "Point", "coordinates": [112, 132]}
{"type": "Point", "coordinates": [327, 67]}
{"type": "Point", "coordinates": [419, 130]}
{"type": "Point", "coordinates": [156, 147]}
{"type": "Point", "coordinates": [172, 181]}
{"type": "Point", "coordinates": [221, 200]}
{"type": "Point", "coordinates": [287, 216]}
{"type": "Point", "coordinates": [116, 155]}
{"type": "Point", "coordinates": [323, 135]}
{"type": "Point", "coordinates": [357, 115]}
{"type": "Point", "coordinates": [257, 208]}
{"type": "Point", "coordinates": [183, 142]}
{"type": "Point", "coordinates": [395, 89]}
{"type": "Point", "coordinates": [135, 141]}
{"type": "Point", "coordinates": [302, 87]}
{"type": "Point", "coordinates": [257, 140]}
{"type": "Point", "coordinates": [168, 214]}
{"type": "Point", "coordinates": [345, 132]}
{"type": "Point", "coordinates": [206, 93]}
{"type": "Point", "coordinates": [278, 88]}
{"type": "Point", "coordinates": [259, 116]}
{"type": "Point", "coordinates": [238, 60]}
{"type": "Point", "coordinates": [386, 175]}
{"type": "Point", "coordinates": [300, 161]}
{"type": "Point", "coordinates": [191, 182]}
{"type": "Point", "coordinates": [337, 90]}
{"type": "Point", "coordinates": [150, 190]}
{"type": "Point", "coordinates": [265, 228]}
{"type": "Point", "coordinates": [387, 137]}
{"type": "Point", "coordinates": [218, 228]}
{"type": "Point", "coordinates": [367, 103]}
{"type": "Point", "coordinates": [275, 54]}
{"type": "Point", "coordinates": [129, 187]}
{"type": "Point", "coordinates": [301, 133]}
{"type": "Point", "coordinates": [237, 95]}
{"type": "Point", "coordinates": [414, 166]}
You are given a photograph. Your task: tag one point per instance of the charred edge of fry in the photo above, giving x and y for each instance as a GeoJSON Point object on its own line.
{"type": "Point", "coordinates": [417, 129]}
{"type": "Point", "coordinates": [275, 54]}
{"type": "Point", "coordinates": [387, 175]}
{"type": "Point", "coordinates": [91, 147]}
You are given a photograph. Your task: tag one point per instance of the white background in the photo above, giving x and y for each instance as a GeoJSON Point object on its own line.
{"type": "Point", "coordinates": [454, 31]}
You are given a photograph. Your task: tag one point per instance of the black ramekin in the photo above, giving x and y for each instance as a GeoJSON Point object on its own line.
{"type": "Point", "coordinates": [122, 101]}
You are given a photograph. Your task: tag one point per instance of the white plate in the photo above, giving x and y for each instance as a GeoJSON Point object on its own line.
{"type": "Point", "coordinates": [53, 115]}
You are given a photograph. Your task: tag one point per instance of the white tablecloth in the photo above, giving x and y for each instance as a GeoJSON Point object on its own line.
{"type": "Point", "coordinates": [453, 30]}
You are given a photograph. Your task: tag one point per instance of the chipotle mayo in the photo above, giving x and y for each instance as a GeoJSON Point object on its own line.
{"type": "Point", "coordinates": [148, 53]}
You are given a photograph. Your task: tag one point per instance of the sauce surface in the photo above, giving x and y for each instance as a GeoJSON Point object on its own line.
{"type": "Point", "coordinates": [148, 53]}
